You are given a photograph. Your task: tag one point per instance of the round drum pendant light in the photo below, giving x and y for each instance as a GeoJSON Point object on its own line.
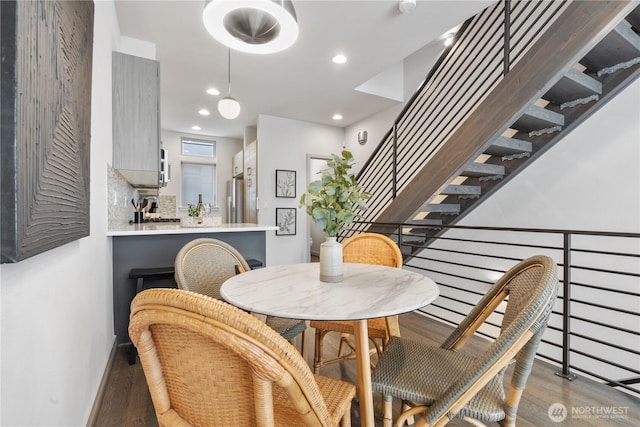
{"type": "Point", "coordinates": [252, 26]}
{"type": "Point", "coordinates": [228, 107]}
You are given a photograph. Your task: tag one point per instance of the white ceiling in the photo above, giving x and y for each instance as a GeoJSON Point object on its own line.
{"type": "Point", "coordinates": [300, 83]}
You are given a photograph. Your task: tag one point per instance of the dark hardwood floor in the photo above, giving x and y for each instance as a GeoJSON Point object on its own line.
{"type": "Point", "coordinates": [127, 401]}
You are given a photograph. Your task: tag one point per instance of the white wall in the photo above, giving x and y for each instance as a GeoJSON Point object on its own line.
{"type": "Point", "coordinates": [225, 149]}
{"type": "Point", "coordinates": [284, 144]}
{"type": "Point", "coordinates": [376, 126]}
{"type": "Point", "coordinates": [57, 309]}
{"type": "Point", "coordinates": [416, 68]}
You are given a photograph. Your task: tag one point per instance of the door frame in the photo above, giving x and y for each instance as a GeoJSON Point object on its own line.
{"type": "Point", "coordinates": [311, 158]}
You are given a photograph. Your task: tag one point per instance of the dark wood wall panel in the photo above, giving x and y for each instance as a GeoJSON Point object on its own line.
{"type": "Point", "coordinates": [46, 125]}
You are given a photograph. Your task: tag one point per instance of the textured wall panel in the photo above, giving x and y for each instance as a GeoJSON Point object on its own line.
{"type": "Point", "coordinates": [46, 122]}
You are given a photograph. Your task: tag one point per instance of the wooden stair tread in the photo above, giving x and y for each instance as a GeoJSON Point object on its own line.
{"type": "Point", "coordinates": [572, 86]}
{"type": "Point", "coordinates": [441, 207]}
{"type": "Point", "coordinates": [537, 118]}
{"type": "Point", "coordinates": [620, 45]}
{"type": "Point", "coordinates": [462, 190]}
{"type": "Point", "coordinates": [504, 146]}
{"type": "Point", "coordinates": [475, 169]}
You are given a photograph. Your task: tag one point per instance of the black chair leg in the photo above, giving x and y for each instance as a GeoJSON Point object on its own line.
{"type": "Point", "coordinates": [132, 354]}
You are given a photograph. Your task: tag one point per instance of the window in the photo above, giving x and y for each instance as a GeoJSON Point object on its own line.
{"type": "Point", "coordinates": [194, 147]}
{"type": "Point", "coordinates": [198, 179]}
{"type": "Point", "coordinates": [198, 171]}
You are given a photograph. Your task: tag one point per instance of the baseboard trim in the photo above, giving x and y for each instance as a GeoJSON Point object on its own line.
{"type": "Point", "coordinates": [102, 388]}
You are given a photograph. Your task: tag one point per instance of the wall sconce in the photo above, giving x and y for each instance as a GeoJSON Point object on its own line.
{"type": "Point", "coordinates": [362, 137]}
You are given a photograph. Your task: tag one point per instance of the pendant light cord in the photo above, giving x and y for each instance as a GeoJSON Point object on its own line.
{"type": "Point", "coordinates": [229, 73]}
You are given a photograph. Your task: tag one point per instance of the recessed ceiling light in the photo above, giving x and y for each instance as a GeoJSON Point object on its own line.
{"type": "Point", "coordinates": [213, 91]}
{"type": "Point", "coordinates": [196, 127]}
{"type": "Point", "coordinates": [203, 112]}
{"type": "Point", "coordinates": [337, 117]}
{"type": "Point", "coordinates": [339, 59]}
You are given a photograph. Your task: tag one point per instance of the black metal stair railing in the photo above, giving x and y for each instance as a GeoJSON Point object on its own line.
{"type": "Point", "coordinates": [594, 329]}
{"type": "Point", "coordinates": [484, 49]}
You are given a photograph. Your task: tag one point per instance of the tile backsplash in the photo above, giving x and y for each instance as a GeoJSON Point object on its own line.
{"type": "Point", "coordinates": [119, 195]}
{"type": "Point", "coordinates": [167, 206]}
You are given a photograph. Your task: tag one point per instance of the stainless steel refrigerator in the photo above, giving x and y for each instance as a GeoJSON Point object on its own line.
{"type": "Point", "coordinates": [235, 202]}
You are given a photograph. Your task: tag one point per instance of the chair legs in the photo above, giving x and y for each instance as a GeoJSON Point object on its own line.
{"type": "Point", "coordinates": [302, 339]}
{"type": "Point", "coordinates": [319, 362]}
{"type": "Point", "coordinates": [387, 418]}
{"type": "Point", "coordinates": [346, 418]}
{"type": "Point", "coordinates": [317, 353]}
{"type": "Point", "coordinates": [387, 413]}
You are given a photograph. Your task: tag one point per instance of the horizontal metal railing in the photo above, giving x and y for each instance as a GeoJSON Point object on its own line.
{"type": "Point", "coordinates": [594, 329]}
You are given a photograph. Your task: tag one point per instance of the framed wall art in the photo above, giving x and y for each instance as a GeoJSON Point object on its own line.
{"type": "Point", "coordinates": [47, 51]}
{"type": "Point", "coordinates": [286, 221]}
{"type": "Point", "coordinates": [285, 183]}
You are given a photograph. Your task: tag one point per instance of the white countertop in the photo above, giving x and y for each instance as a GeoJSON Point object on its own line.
{"type": "Point", "coordinates": [159, 228]}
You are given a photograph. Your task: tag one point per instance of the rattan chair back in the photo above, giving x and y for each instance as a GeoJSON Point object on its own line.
{"type": "Point", "coordinates": [203, 265]}
{"type": "Point", "coordinates": [208, 363]}
{"type": "Point", "coordinates": [371, 248]}
{"type": "Point", "coordinates": [451, 379]}
{"type": "Point", "coordinates": [363, 248]}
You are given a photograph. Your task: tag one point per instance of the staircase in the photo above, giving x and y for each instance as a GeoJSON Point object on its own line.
{"type": "Point", "coordinates": [424, 174]}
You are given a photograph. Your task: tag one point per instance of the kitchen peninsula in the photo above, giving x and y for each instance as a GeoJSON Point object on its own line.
{"type": "Point", "coordinates": [150, 245]}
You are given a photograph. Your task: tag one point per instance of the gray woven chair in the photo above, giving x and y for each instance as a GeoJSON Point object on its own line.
{"type": "Point", "coordinates": [364, 248]}
{"type": "Point", "coordinates": [444, 382]}
{"type": "Point", "coordinates": [202, 266]}
{"type": "Point", "coordinates": [209, 364]}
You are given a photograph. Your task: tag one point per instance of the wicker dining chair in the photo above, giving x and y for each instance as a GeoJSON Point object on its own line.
{"type": "Point", "coordinates": [445, 382]}
{"type": "Point", "coordinates": [364, 248]}
{"type": "Point", "coordinates": [208, 363]}
{"type": "Point", "coordinates": [202, 265]}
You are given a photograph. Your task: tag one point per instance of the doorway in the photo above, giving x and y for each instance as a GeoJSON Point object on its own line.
{"type": "Point", "coordinates": [315, 164]}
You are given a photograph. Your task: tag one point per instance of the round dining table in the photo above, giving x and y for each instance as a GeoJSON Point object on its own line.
{"type": "Point", "coordinates": [367, 291]}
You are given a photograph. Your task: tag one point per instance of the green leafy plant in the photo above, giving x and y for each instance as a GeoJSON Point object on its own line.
{"type": "Point", "coordinates": [193, 210]}
{"type": "Point", "coordinates": [332, 200]}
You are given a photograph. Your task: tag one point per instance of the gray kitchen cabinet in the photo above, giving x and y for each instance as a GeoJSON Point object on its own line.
{"type": "Point", "coordinates": [237, 164]}
{"type": "Point", "coordinates": [251, 182]}
{"type": "Point", "coordinates": [136, 115]}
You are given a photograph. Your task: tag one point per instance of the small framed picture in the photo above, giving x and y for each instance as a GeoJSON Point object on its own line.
{"type": "Point", "coordinates": [285, 183]}
{"type": "Point", "coordinates": [286, 221]}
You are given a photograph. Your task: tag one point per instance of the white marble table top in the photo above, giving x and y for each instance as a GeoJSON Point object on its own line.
{"type": "Point", "coordinates": [295, 291]}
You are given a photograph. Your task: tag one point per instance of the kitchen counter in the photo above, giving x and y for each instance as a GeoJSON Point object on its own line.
{"type": "Point", "coordinates": [160, 228]}
{"type": "Point", "coordinates": [154, 245]}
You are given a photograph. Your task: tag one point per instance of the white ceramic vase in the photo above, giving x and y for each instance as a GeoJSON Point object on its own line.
{"type": "Point", "coordinates": [331, 261]}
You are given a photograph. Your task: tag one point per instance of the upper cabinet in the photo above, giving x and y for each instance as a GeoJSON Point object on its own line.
{"type": "Point", "coordinates": [136, 117]}
{"type": "Point", "coordinates": [250, 182]}
{"type": "Point", "coordinates": [237, 163]}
